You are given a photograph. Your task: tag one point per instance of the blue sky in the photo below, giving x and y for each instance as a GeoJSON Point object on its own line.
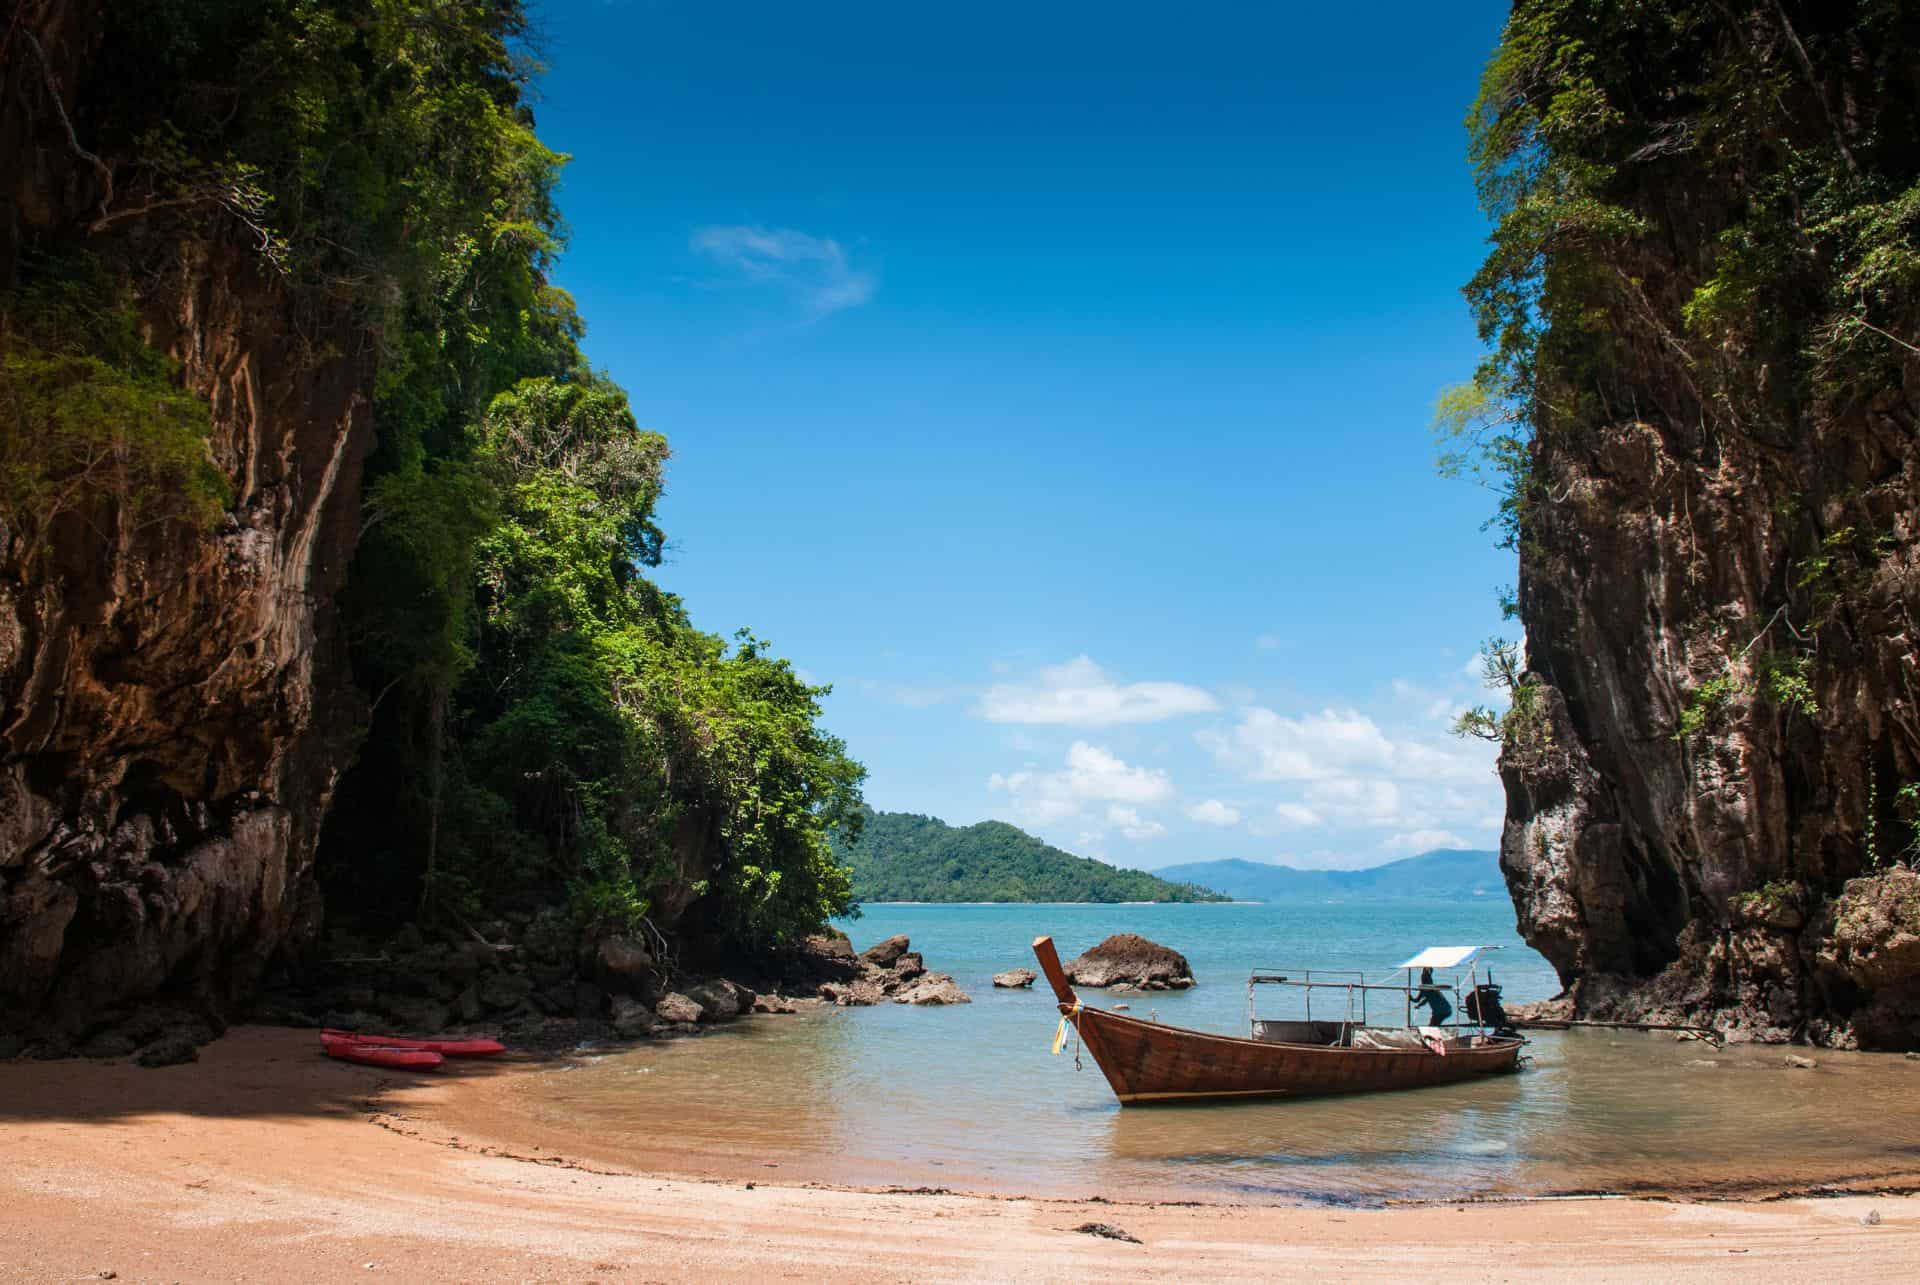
{"type": "Point", "coordinates": [1054, 381]}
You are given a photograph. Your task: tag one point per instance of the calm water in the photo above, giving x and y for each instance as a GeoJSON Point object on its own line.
{"type": "Point", "coordinates": [968, 1097]}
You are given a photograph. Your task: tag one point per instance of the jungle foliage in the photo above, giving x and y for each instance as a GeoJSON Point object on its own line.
{"type": "Point", "coordinates": [899, 856]}
{"type": "Point", "coordinates": [544, 718]}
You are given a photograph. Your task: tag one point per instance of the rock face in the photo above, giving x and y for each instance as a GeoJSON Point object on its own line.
{"type": "Point", "coordinates": [1719, 580]}
{"type": "Point", "coordinates": [1130, 959]}
{"type": "Point", "coordinates": [174, 706]}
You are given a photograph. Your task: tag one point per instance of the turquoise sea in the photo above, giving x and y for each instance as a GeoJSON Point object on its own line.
{"type": "Point", "coordinates": [969, 1098]}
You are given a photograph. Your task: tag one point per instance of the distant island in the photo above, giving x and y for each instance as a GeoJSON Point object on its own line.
{"type": "Point", "coordinates": [903, 857]}
{"type": "Point", "coordinates": [1447, 874]}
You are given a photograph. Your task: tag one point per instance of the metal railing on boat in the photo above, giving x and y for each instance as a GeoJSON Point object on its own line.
{"type": "Point", "coordinates": [1338, 979]}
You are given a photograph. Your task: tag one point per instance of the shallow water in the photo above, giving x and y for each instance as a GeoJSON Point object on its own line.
{"type": "Point", "coordinates": [969, 1098]}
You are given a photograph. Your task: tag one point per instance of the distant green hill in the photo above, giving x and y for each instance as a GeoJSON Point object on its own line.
{"type": "Point", "coordinates": [903, 857]}
{"type": "Point", "coordinates": [1448, 874]}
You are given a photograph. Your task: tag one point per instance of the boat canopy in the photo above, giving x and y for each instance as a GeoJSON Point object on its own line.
{"type": "Point", "coordinates": [1445, 957]}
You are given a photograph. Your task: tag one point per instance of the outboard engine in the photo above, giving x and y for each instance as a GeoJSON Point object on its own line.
{"type": "Point", "coordinates": [1482, 1007]}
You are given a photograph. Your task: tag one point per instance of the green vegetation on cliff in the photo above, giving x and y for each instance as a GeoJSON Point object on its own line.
{"type": "Point", "coordinates": [1771, 151]}
{"type": "Point", "coordinates": [543, 720]}
{"type": "Point", "coordinates": [899, 856]}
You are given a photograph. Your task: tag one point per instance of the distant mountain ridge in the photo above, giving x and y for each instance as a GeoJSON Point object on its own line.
{"type": "Point", "coordinates": [1445, 874]}
{"type": "Point", "coordinates": [901, 856]}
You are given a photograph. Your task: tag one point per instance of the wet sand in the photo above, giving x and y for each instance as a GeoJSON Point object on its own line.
{"type": "Point", "coordinates": [266, 1162]}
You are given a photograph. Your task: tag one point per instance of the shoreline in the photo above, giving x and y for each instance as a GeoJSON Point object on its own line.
{"type": "Point", "coordinates": [259, 1161]}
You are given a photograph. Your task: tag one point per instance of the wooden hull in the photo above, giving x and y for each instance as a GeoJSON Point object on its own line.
{"type": "Point", "coordinates": [1148, 1062]}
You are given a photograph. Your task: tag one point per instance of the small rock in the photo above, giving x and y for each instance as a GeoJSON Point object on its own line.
{"type": "Point", "coordinates": [1014, 978]}
{"type": "Point", "coordinates": [1108, 1230]}
{"type": "Point", "coordinates": [909, 966]}
{"type": "Point", "coordinates": [884, 954]}
{"type": "Point", "coordinates": [631, 1018]}
{"type": "Point", "coordinates": [677, 1008]}
{"type": "Point", "coordinates": [1911, 1057]}
{"type": "Point", "coordinates": [1703, 1061]}
{"type": "Point", "coordinates": [851, 994]}
{"type": "Point", "coordinates": [1801, 1063]}
{"type": "Point", "coordinates": [1870, 1219]}
{"type": "Point", "coordinates": [717, 1003]}
{"type": "Point", "coordinates": [934, 988]}
{"type": "Point", "coordinates": [109, 1043]}
{"type": "Point", "coordinates": [774, 1004]}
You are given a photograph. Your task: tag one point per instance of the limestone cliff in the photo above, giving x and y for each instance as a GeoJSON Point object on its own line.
{"type": "Point", "coordinates": [173, 710]}
{"type": "Point", "coordinates": [1719, 523]}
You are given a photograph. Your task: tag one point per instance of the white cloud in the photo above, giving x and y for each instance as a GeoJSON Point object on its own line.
{"type": "Point", "coordinates": [1424, 841]}
{"type": "Point", "coordinates": [1090, 775]}
{"type": "Point", "coordinates": [1214, 812]}
{"type": "Point", "coordinates": [1079, 694]}
{"type": "Point", "coordinates": [1296, 814]}
{"type": "Point", "coordinates": [1133, 825]}
{"type": "Point", "coordinates": [1358, 800]}
{"type": "Point", "coordinates": [814, 271]}
{"type": "Point", "coordinates": [1335, 744]}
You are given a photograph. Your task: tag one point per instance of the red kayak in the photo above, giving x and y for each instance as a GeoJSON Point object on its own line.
{"type": "Point", "coordinates": [446, 1048]}
{"type": "Point", "coordinates": [380, 1055]}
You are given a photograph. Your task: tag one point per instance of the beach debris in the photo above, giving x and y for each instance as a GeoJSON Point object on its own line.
{"type": "Point", "coordinates": [1870, 1219]}
{"type": "Point", "coordinates": [1702, 1062]}
{"type": "Point", "coordinates": [1107, 1230]}
{"type": "Point", "coordinates": [1014, 978]}
{"type": "Point", "coordinates": [1131, 959]}
{"type": "Point", "coordinates": [1801, 1063]}
{"type": "Point", "coordinates": [1913, 1057]}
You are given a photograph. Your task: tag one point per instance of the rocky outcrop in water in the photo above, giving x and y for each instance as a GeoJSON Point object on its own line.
{"type": "Point", "coordinates": [174, 710]}
{"type": "Point", "coordinates": [1128, 959]}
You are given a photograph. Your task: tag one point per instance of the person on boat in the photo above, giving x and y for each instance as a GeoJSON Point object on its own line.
{"type": "Point", "coordinates": [1430, 998]}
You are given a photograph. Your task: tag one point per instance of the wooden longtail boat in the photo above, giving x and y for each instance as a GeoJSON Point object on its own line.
{"type": "Point", "coordinates": [1149, 1062]}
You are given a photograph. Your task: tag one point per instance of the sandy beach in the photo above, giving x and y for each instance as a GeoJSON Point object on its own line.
{"type": "Point", "coordinates": [264, 1161]}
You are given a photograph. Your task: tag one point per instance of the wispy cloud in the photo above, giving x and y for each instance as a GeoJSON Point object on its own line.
{"type": "Point", "coordinates": [814, 272]}
{"type": "Point", "coordinates": [1079, 694]}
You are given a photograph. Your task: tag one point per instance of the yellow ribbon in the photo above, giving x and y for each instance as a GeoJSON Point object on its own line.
{"type": "Point", "coordinates": [1060, 1036]}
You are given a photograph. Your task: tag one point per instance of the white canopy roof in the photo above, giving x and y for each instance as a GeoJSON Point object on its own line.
{"type": "Point", "coordinates": [1445, 956]}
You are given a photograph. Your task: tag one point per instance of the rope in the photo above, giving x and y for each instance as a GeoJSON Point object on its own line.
{"type": "Point", "coordinates": [1060, 1035]}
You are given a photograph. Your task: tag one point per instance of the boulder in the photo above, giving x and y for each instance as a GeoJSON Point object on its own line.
{"type": "Point", "coordinates": [505, 990]}
{"type": "Point", "coordinates": [885, 954]}
{"type": "Point", "coordinates": [934, 988]}
{"type": "Point", "coordinates": [1129, 957]}
{"type": "Point", "coordinates": [909, 966]}
{"type": "Point", "coordinates": [467, 1006]}
{"type": "Point", "coordinates": [857, 994]}
{"type": "Point", "coordinates": [170, 1050]}
{"type": "Point", "coordinates": [774, 1004]}
{"type": "Point", "coordinates": [623, 963]}
{"type": "Point", "coordinates": [631, 1018]}
{"type": "Point", "coordinates": [720, 999]}
{"type": "Point", "coordinates": [1014, 978]}
{"type": "Point", "coordinates": [677, 1008]}
{"type": "Point", "coordinates": [416, 1016]}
